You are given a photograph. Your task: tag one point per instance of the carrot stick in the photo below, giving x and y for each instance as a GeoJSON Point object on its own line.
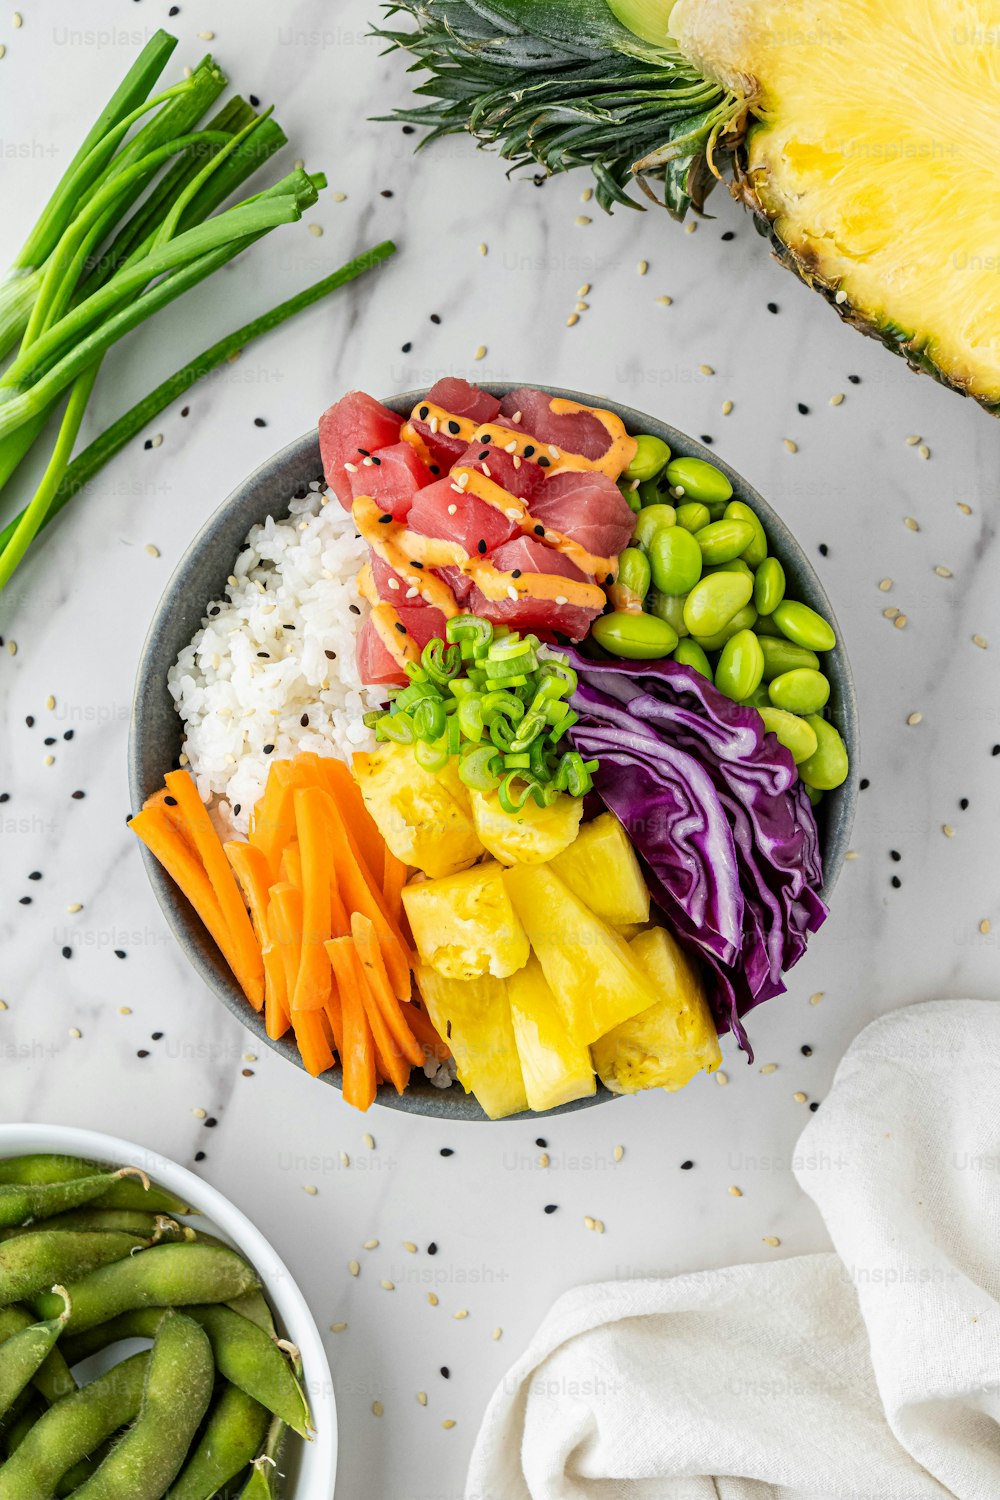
{"type": "Point", "coordinates": [252, 873]}
{"type": "Point", "coordinates": [421, 1026]}
{"type": "Point", "coordinates": [363, 828]}
{"type": "Point", "coordinates": [249, 966]}
{"type": "Point", "coordinates": [350, 973]}
{"type": "Point", "coordinates": [185, 869]}
{"type": "Point", "coordinates": [312, 986]}
{"type": "Point", "coordinates": [272, 826]}
{"type": "Point", "coordinates": [359, 896]}
{"type": "Point", "coordinates": [285, 924]}
{"type": "Point", "coordinates": [334, 1012]}
{"type": "Point", "coordinates": [290, 865]}
{"type": "Point", "coordinates": [312, 1041]}
{"type": "Point", "coordinates": [370, 958]}
{"type": "Point", "coordinates": [393, 881]}
{"type": "Point", "coordinates": [358, 1056]}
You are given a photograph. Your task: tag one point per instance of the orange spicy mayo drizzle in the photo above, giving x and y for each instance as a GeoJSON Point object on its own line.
{"type": "Point", "coordinates": [472, 482]}
{"type": "Point", "coordinates": [618, 455]}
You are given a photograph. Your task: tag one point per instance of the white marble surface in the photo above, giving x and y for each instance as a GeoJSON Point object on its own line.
{"type": "Point", "coordinates": [79, 609]}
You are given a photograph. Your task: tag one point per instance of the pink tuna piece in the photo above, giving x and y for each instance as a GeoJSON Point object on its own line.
{"type": "Point", "coordinates": [578, 432]}
{"type": "Point", "coordinates": [353, 426]}
{"type": "Point", "coordinates": [589, 508]}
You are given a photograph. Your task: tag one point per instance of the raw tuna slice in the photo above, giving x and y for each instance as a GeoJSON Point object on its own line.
{"type": "Point", "coordinates": [392, 478]}
{"type": "Point", "coordinates": [375, 664]}
{"type": "Point", "coordinates": [478, 527]}
{"type": "Point", "coordinates": [577, 433]}
{"type": "Point", "coordinates": [459, 583]}
{"type": "Point", "coordinates": [391, 587]}
{"type": "Point", "coordinates": [523, 480]}
{"type": "Point", "coordinates": [354, 423]}
{"type": "Point", "coordinates": [589, 507]}
{"type": "Point", "coordinates": [570, 620]}
{"type": "Point", "coordinates": [465, 400]}
{"type": "Point", "coordinates": [444, 447]}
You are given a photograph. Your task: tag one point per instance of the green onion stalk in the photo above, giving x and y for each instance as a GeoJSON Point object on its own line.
{"type": "Point", "coordinates": [136, 221]}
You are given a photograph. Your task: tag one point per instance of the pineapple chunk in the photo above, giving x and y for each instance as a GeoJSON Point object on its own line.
{"type": "Point", "coordinates": [530, 836]}
{"type": "Point", "coordinates": [465, 926]}
{"type": "Point", "coordinates": [602, 868]}
{"type": "Point", "coordinates": [594, 977]}
{"type": "Point", "coordinates": [424, 816]}
{"type": "Point", "coordinates": [664, 1046]}
{"type": "Point", "coordinates": [474, 1015]}
{"type": "Point", "coordinates": [556, 1069]}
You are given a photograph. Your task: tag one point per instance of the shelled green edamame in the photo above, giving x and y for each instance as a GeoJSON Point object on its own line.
{"type": "Point", "coordinates": [697, 584]}
{"type": "Point", "coordinates": [204, 1409]}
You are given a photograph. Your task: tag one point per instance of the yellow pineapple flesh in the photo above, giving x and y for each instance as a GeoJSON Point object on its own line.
{"type": "Point", "coordinates": [474, 1017]}
{"type": "Point", "coordinates": [602, 868]}
{"type": "Point", "coordinates": [556, 1069]}
{"type": "Point", "coordinates": [424, 816]}
{"type": "Point", "coordinates": [464, 925]}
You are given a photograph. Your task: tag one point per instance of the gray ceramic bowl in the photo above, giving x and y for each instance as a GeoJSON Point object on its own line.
{"type": "Point", "coordinates": [156, 739]}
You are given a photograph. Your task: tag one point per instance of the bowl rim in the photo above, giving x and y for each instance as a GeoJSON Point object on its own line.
{"type": "Point", "coordinates": [318, 1465]}
{"type": "Point", "coordinates": [301, 458]}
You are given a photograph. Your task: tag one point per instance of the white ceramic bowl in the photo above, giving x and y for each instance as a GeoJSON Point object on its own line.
{"type": "Point", "coordinates": [310, 1468]}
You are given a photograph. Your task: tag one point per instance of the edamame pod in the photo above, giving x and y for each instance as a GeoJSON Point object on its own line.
{"type": "Point", "coordinates": [743, 619]}
{"type": "Point", "coordinates": [53, 1379]}
{"type": "Point", "coordinates": [804, 626]}
{"type": "Point", "coordinates": [633, 576]}
{"type": "Point", "coordinates": [651, 455]}
{"type": "Point", "coordinates": [827, 766]}
{"type": "Point", "coordinates": [24, 1353]}
{"type": "Point", "coordinates": [178, 1388]}
{"type": "Point", "coordinates": [756, 552]}
{"type": "Point", "coordinates": [675, 560]}
{"type": "Point", "coordinates": [163, 1276]}
{"type": "Point", "coordinates": [782, 656]}
{"type": "Point", "coordinates": [769, 586]}
{"type": "Point", "coordinates": [713, 601]}
{"type": "Point", "coordinates": [32, 1262]}
{"type": "Point", "coordinates": [20, 1202]}
{"type": "Point", "coordinates": [802, 691]}
{"type": "Point", "coordinates": [236, 1427]}
{"type": "Point", "coordinates": [651, 520]}
{"type": "Point", "coordinates": [72, 1428]}
{"type": "Point", "coordinates": [145, 1226]}
{"type": "Point", "coordinates": [699, 480]}
{"type": "Point", "coordinates": [740, 667]}
{"type": "Point", "coordinates": [690, 654]}
{"type": "Point", "coordinates": [263, 1482]}
{"type": "Point", "coordinates": [797, 735]}
{"type": "Point", "coordinates": [634, 637]}
{"type": "Point", "coordinates": [693, 516]}
{"type": "Point", "coordinates": [128, 1192]}
{"type": "Point", "coordinates": [722, 541]}
{"type": "Point", "coordinates": [669, 607]}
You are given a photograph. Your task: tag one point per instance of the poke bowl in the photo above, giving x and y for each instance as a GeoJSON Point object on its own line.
{"type": "Point", "coordinates": [340, 635]}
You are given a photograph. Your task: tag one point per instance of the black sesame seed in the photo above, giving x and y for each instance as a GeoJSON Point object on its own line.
{"type": "Point", "coordinates": [484, 455]}
{"type": "Point", "coordinates": [686, 1166]}
{"type": "Point", "coordinates": [376, 461]}
{"type": "Point", "coordinates": [772, 307]}
{"type": "Point", "coordinates": [516, 573]}
{"type": "Point", "coordinates": [148, 443]}
{"type": "Point", "coordinates": [67, 952]}
{"type": "Point", "coordinates": [539, 530]}
{"type": "Point", "coordinates": [529, 450]}
{"type": "Point", "coordinates": [727, 234]}
{"type": "Point", "coordinates": [814, 1106]}
{"type": "Point", "coordinates": [266, 655]}
{"type": "Point", "coordinates": [432, 1248]}
{"type": "Point", "coordinates": [435, 317]}
{"type": "Point", "coordinates": [211, 1123]}
{"type": "Point", "coordinates": [415, 564]}
{"type": "Point", "coordinates": [434, 468]}
{"type": "Point", "coordinates": [386, 193]}
{"type": "Point", "coordinates": [707, 439]}
{"type": "Point", "coordinates": [24, 900]}
{"type": "Point", "coordinates": [486, 437]}
{"type": "Point", "coordinates": [401, 628]}
{"type": "Point", "coordinates": [541, 1141]}
{"type": "Point", "coordinates": [481, 547]}
{"type": "Point", "coordinates": [446, 1151]}
{"type": "Point", "coordinates": [142, 1052]}
{"type": "Point", "coordinates": [384, 520]}
{"type": "Point", "coordinates": [120, 953]}
{"type": "Point", "coordinates": [406, 348]}
{"type": "Point", "coordinates": [424, 413]}
{"type": "Point", "coordinates": [454, 428]}
{"type": "Point", "coordinates": [304, 721]}
{"type": "Point", "coordinates": [157, 1036]}
{"type": "Point", "coordinates": [409, 129]}
{"type": "Point", "coordinates": [446, 1372]}
{"type": "Point", "coordinates": [35, 875]}
{"type": "Point", "coordinates": [995, 750]}
{"type": "Point", "coordinates": [895, 856]}
{"type": "Point", "coordinates": [5, 796]}
{"type": "Point", "coordinates": [186, 409]}
{"type": "Point", "coordinates": [964, 804]}
{"type": "Point", "coordinates": [354, 609]}
{"type": "Point", "coordinates": [215, 609]}
{"type": "Point", "coordinates": [895, 882]}
{"type": "Point", "coordinates": [550, 1208]}
{"type": "Point", "coordinates": [864, 784]}
{"type": "Point", "coordinates": [806, 1051]}
{"type": "Point", "coordinates": [170, 801]}
{"type": "Point", "coordinates": [30, 721]}
{"type": "Point", "coordinates": [200, 1155]}
{"type": "Point", "coordinates": [50, 739]}
{"type": "Point", "coordinates": [543, 463]}
{"type": "Point", "coordinates": [254, 100]}
{"type": "Point", "coordinates": [823, 550]}
{"type": "Point", "coordinates": [330, 655]}
{"type": "Point", "coordinates": [68, 735]}
{"type": "Point", "coordinates": [236, 809]}
{"type": "Point", "coordinates": [268, 749]}
{"type": "Point", "coordinates": [803, 409]}
{"type": "Point", "coordinates": [854, 379]}
{"type": "Point", "coordinates": [259, 422]}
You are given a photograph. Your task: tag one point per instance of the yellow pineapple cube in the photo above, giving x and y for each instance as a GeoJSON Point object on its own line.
{"type": "Point", "coordinates": [530, 836]}
{"type": "Point", "coordinates": [474, 1017]}
{"type": "Point", "coordinates": [465, 925]}
{"type": "Point", "coordinates": [602, 868]}
{"type": "Point", "coordinates": [556, 1069]}
{"type": "Point", "coordinates": [424, 816]}
{"type": "Point", "coordinates": [662, 1047]}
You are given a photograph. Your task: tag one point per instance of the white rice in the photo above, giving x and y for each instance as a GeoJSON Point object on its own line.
{"type": "Point", "coordinates": [262, 659]}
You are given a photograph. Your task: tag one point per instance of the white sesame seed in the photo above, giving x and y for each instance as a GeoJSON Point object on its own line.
{"type": "Point", "coordinates": [943, 572]}
{"type": "Point", "coordinates": [985, 926]}
{"type": "Point", "coordinates": [370, 1245]}
{"type": "Point", "coordinates": [913, 439]}
{"type": "Point", "coordinates": [915, 718]}
{"type": "Point", "coordinates": [316, 230]}
{"type": "Point", "coordinates": [735, 1192]}
{"type": "Point", "coordinates": [452, 509]}
{"type": "Point", "coordinates": [74, 907]}
{"type": "Point", "coordinates": [543, 1160]}
{"type": "Point", "coordinates": [799, 1097]}
{"type": "Point", "coordinates": [586, 195]}
{"type": "Point", "coordinates": [448, 1423]}
{"type": "Point", "coordinates": [618, 1153]}
{"type": "Point", "coordinates": [432, 1298]}
{"type": "Point", "coordinates": [885, 584]}
{"type": "Point", "coordinates": [368, 1141]}
{"type": "Point", "coordinates": [981, 642]}
{"type": "Point", "coordinates": [911, 523]}
{"type": "Point", "coordinates": [582, 307]}
{"type": "Point", "coordinates": [422, 1397]}
{"type": "Point", "coordinates": [772, 1240]}
{"type": "Point", "coordinates": [497, 1334]}
{"type": "Point", "coordinates": [463, 1312]}
{"type": "Point", "coordinates": [582, 221]}
{"type": "Point", "coordinates": [817, 998]}
{"type": "Point", "coordinates": [152, 551]}
{"type": "Point", "coordinates": [583, 290]}
{"type": "Point", "coordinates": [851, 854]}
{"type": "Point", "coordinates": [484, 249]}
{"type": "Point", "coordinates": [791, 446]}
{"type": "Point", "coordinates": [50, 760]}
{"type": "Point", "coordinates": [561, 599]}
{"type": "Point", "coordinates": [199, 1113]}
{"type": "Point", "coordinates": [50, 703]}
{"type": "Point", "coordinates": [206, 36]}
{"type": "Point", "coordinates": [309, 1189]}
{"type": "Point", "coordinates": [345, 1160]}
{"type": "Point", "coordinates": [555, 452]}
{"type": "Point", "coordinates": [642, 267]}
{"type": "Point", "coordinates": [75, 1032]}
{"type": "Point", "coordinates": [124, 1010]}
{"type": "Point", "coordinates": [599, 1226]}
{"type": "Point", "coordinates": [338, 1327]}
{"type": "Point", "coordinates": [965, 509]}
{"type": "Point", "coordinates": [354, 1268]}
{"type": "Point", "coordinates": [840, 298]}
{"type": "Point", "coordinates": [480, 352]}
{"type": "Point", "coordinates": [340, 197]}
{"type": "Point", "coordinates": [4, 1005]}
{"type": "Point", "coordinates": [923, 451]}
{"type": "Point", "coordinates": [351, 468]}
{"type": "Point", "coordinates": [394, 583]}
{"type": "Point", "coordinates": [901, 622]}
{"type": "Point", "coordinates": [409, 1247]}
{"type": "Point", "coordinates": [11, 648]}
{"type": "Point", "coordinates": [691, 227]}
{"type": "Point", "coordinates": [17, 20]}
{"type": "Point", "coordinates": [892, 613]}
{"type": "Point", "coordinates": [721, 1079]}
{"type": "Point", "coordinates": [588, 1222]}
{"type": "Point", "coordinates": [705, 370]}
{"type": "Point", "coordinates": [511, 592]}
{"type": "Point", "coordinates": [511, 447]}
{"type": "Point", "coordinates": [572, 320]}
{"type": "Point", "coordinates": [433, 424]}
{"type": "Point", "coordinates": [386, 1285]}
{"type": "Point", "coordinates": [769, 1068]}
{"type": "Point", "coordinates": [665, 301]}
{"type": "Point", "coordinates": [947, 830]}
{"type": "Point", "coordinates": [838, 399]}
{"type": "Point", "coordinates": [377, 1409]}
{"type": "Point", "coordinates": [727, 407]}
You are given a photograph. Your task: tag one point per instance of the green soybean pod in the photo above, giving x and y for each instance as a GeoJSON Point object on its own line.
{"type": "Point", "coordinates": [651, 520]}
{"type": "Point", "coordinates": [630, 494]}
{"type": "Point", "coordinates": [32, 1262]}
{"type": "Point", "coordinates": [690, 654]}
{"type": "Point", "coordinates": [178, 1388]}
{"type": "Point", "coordinates": [743, 619]}
{"type": "Point", "coordinates": [713, 601]}
{"type": "Point", "coordinates": [263, 1482]}
{"type": "Point", "coordinates": [72, 1429]}
{"type": "Point", "coordinates": [23, 1354]}
{"type": "Point", "coordinates": [769, 586]}
{"type": "Point", "coordinates": [236, 1427]}
{"type": "Point", "coordinates": [698, 480]}
{"type": "Point", "coordinates": [28, 1409]}
{"type": "Point", "coordinates": [756, 552]}
{"type": "Point", "coordinates": [782, 656]}
{"type": "Point", "coordinates": [669, 607]}
{"type": "Point", "coordinates": [163, 1276]}
{"type": "Point", "coordinates": [651, 455]}
{"type": "Point", "coordinates": [737, 565]}
{"type": "Point", "coordinates": [693, 516]}
{"type": "Point", "coordinates": [827, 766]}
{"type": "Point", "coordinates": [144, 1226]}
{"type": "Point", "coordinates": [722, 541]}
{"type": "Point", "coordinates": [255, 1306]}
{"type": "Point", "coordinates": [253, 1360]}
{"type": "Point", "coordinates": [53, 1379]}
{"type": "Point", "coordinates": [633, 572]}
{"type": "Point", "coordinates": [804, 626]}
{"type": "Point", "coordinates": [20, 1202]}
{"type": "Point", "coordinates": [634, 637]}
{"type": "Point", "coordinates": [801, 691]}
{"type": "Point", "coordinates": [797, 735]}
{"type": "Point", "coordinates": [740, 667]}
{"type": "Point", "coordinates": [132, 1190]}
{"type": "Point", "coordinates": [675, 560]}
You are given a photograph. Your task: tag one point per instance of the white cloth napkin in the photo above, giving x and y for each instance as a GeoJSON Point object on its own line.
{"type": "Point", "coordinates": [869, 1374]}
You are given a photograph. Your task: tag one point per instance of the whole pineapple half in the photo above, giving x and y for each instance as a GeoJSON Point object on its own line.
{"type": "Point", "coordinates": [859, 133]}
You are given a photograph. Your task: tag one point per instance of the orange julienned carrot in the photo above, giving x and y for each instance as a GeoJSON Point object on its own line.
{"type": "Point", "coordinates": [423, 1029]}
{"type": "Point", "coordinates": [312, 987]}
{"type": "Point", "coordinates": [313, 1042]}
{"type": "Point", "coordinates": [393, 881]}
{"type": "Point", "coordinates": [175, 854]}
{"type": "Point", "coordinates": [370, 957]}
{"type": "Point", "coordinates": [284, 917]}
{"type": "Point", "coordinates": [290, 864]}
{"type": "Point", "coordinates": [249, 967]}
{"type": "Point", "coordinates": [272, 826]}
{"type": "Point", "coordinates": [251, 870]}
{"type": "Point", "coordinates": [350, 974]}
{"type": "Point", "coordinates": [358, 1055]}
{"type": "Point", "coordinates": [358, 896]}
{"type": "Point", "coordinates": [347, 795]}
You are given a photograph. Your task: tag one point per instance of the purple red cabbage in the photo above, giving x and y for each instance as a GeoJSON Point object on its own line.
{"type": "Point", "coordinates": [715, 809]}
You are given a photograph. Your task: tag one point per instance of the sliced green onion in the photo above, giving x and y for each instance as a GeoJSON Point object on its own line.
{"type": "Point", "coordinates": [431, 755]}
{"type": "Point", "coordinates": [476, 770]}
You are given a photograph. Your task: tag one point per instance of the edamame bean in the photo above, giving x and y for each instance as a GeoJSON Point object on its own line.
{"type": "Point", "coordinates": [73, 1428]}
{"type": "Point", "coordinates": [722, 541]}
{"type": "Point", "coordinates": [743, 619]}
{"type": "Point", "coordinates": [163, 1276]}
{"type": "Point", "coordinates": [769, 586]}
{"type": "Point", "coordinates": [651, 455]}
{"type": "Point", "coordinates": [755, 554]}
{"type": "Point", "coordinates": [23, 1354]}
{"type": "Point", "coordinates": [20, 1202]}
{"type": "Point", "coordinates": [32, 1262]}
{"type": "Point", "coordinates": [690, 654]}
{"type": "Point", "coordinates": [736, 566]}
{"type": "Point", "coordinates": [804, 626]}
{"type": "Point", "coordinates": [630, 494]}
{"type": "Point", "coordinates": [654, 492]}
{"type": "Point", "coordinates": [794, 733]}
{"type": "Point", "coordinates": [234, 1432]}
{"type": "Point", "coordinates": [675, 560]}
{"type": "Point", "coordinates": [814, 794]}
{"type": "Point", "coordinates": [827, 766]}
{"type": "Point", "coordinates": [740, 667]}
{"type": "Point", "coordinates": [802, 691]}
{"type": "Point", "coordinates": [635, 637]}
{"type": "Point", "coordinates": [782, 656]}
{"type": "Point", "coordinates": [633, 573]}
{"type": "Point", "coordinates": [768, 627]}
{"type": "Point", "coordinates": [713, 601]}
{"type": "Point", "coordinates": [129, 1192]}
{"type": "Point", "coordinates": [699, 480]}
{"type": "Point", "coordinates": [669, 607]}
{"type": "Point", "coordinates": [652, 520]}
{"type": "Point", "coordinates": [178, 1388]}
{"type": "Point", "coordinates": [757, 699]}
{"type": "Point", "coordinates": [693, 516]}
